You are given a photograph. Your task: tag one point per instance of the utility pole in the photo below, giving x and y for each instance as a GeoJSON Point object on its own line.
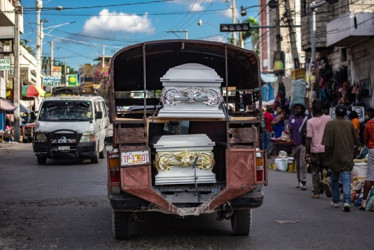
{"type": "Point", "coordinates": [17, 82]}
{"type": "Point", "coordinates": [103, 57]}
{"type": "Point", "coordinates": [51, 62]}
{"type": "Point", "coordinates": [39, 6]}
{"type": "Point", "coordinates": [241, 42]}
{"type": "Point", "coordinates": [295, 54]}
{"type": "Point", "coordinates": [65, 82]}
{"type": "Point", "coordinates": [313, 6]}
{"type": "Point", "coordinates": [278, 38]}
{"type": "Point", "coordinates": [234, 40]}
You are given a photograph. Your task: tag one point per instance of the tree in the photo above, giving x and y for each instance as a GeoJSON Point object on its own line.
{"type": "Point", "coordinates": [101, 77]}
{"type": "Point", "coordinates": [28, 48]}
{"type": "Point", "coordinates": [253, 33]}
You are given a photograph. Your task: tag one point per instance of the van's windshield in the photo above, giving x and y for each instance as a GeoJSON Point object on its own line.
{"type": "Point", "coordinates": [65, 110]}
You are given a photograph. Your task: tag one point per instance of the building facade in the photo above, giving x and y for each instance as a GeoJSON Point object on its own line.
{"type": "Point", "coordinates": [344, 35]}
{"type": "Point", "coordinates": [7, 28]}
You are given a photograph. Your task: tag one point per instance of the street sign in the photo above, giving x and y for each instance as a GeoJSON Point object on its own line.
{"type": "Point", "coordinates": [4, 64]}
{"type": "Point", "coordinates": [231, 27]}
{"type": "Point", "coordinates": [72, 80]}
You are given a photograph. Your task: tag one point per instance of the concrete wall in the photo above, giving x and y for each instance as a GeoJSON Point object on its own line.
{"type": "Point", "coordinates": [362, 57]}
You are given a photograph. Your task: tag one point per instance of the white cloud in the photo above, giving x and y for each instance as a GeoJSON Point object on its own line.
{"type": "Point", "coordinates": [216, 39]}
{"type": "Point", "coordinates": [113, 23]}
{"type": "Point", "coordinates": [197, 5]}
{"type": "Point", "coordinates": [228, 13]}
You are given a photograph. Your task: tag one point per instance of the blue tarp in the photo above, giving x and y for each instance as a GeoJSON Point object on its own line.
{"type": "Point", "coordinates": [267, 92]}
{"type": "Point", "coordinates": [2, 121]}
{"type": "Point", "coordinates": [268, 77]}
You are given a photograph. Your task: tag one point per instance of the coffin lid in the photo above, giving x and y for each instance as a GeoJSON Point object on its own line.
{"type": "Point", "coordinates": [191, 72]}
{"type": "Point", "coordinates": [181, 142]}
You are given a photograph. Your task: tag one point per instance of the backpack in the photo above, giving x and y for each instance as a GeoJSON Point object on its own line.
{"type": "Point", "coordinates": [303, 129]}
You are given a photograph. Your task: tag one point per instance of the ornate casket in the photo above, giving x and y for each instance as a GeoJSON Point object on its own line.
{"type": "Point", "coordinates": [191, 90]}
{"type": "Point", "coordinates": [182, 159]}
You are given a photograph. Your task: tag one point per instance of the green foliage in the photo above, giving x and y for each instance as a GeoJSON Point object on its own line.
{"type": "Point", "coordinates": [28, 48]}
{"type": "Point", "coordinates": [253, 33]}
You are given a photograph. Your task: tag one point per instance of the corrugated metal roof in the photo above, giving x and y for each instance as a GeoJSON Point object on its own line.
{"type": "Point", "coordinates": [268, 77]}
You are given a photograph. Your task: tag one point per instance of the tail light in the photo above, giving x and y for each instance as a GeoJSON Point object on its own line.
{"type": "Point", "coordinates": [259, 167]}
{"type": "Point", "coordinates": [114, 177]}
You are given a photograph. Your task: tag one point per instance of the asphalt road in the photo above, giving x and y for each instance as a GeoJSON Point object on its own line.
{"type": "Point", "coordinates": [63, 205]}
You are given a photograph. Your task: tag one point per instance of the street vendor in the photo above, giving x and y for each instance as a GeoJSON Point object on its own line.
{"type": "Point", "coordinates": [278, 122]}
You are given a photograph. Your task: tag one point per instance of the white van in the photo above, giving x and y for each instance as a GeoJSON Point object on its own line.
{"type": "Point", "coordinates": [71, 127]}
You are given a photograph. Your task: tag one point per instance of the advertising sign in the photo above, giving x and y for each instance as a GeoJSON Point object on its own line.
{"type": "Point", "coordinates": [51, 81]}
{"type": "Point", "coordinates": [6, 32]}
{"type": "Point", "coordinates": [4, 64]}
{"type": "Point", "coordinates": [56, 71]}
{"type": "Point", "coordinates": [360, 110]}
{"type": "Point", "coordinates": [72, 80]}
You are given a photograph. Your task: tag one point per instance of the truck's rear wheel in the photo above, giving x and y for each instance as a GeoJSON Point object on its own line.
{"type": "Point", "coordinates": [241, 222]}
{"type": "Point", "coordinates": [121, 225]}
{"type": "Point", "coordinates": [42, 160]}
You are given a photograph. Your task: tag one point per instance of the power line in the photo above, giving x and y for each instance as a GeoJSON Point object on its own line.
{"type": "Point", "coordinates": [97, 38]}
{"type": "Point", "coordinates": [100, 6]}
{"type": "Point", "coordinates": [120, 14]}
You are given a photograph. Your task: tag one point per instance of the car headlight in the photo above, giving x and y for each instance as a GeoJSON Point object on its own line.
{"type": "Point", "coordinates": [87, 137]}
{"type": "Point", "coordinates": [41, 137]}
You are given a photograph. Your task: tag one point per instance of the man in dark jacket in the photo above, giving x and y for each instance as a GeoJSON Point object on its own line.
{"type": "Point", "coordinates": [340, 139]}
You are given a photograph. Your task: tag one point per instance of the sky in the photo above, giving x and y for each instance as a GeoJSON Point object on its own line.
{"type": "Point", "coordinates": [81, 28]}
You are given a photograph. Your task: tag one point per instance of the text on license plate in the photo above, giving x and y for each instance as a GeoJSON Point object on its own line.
{"type": "Point", "coordinates": [134, 158]}
{"type": "Point", "coordinates": [64, 148]}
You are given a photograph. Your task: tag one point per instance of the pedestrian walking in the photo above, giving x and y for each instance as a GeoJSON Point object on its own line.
{"type": "Point", "coordinates": [340, 140]}
{"type": "Point", "coordinates": [369, 142]}
{"type": "Point", "coordinates": [353, 116]}
{"type": "Point", "coordinates": [269, 117]}
{"type": "Point", "coordinates": [298, 150]}
{"type": "Point", "coordinates": [314, 150]}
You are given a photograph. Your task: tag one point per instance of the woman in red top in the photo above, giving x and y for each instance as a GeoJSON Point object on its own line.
{"type": "Point", "coordinates": [269, 117]}
{"type": "Point", "coordinates": [369, 141]}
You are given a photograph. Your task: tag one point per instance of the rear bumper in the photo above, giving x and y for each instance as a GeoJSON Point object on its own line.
{"type": "Point", "coordinates": [129, 203]}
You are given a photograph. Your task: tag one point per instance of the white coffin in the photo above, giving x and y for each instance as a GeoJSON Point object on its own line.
{"type": "Point", "coordinates": [177, 143]}
{"type": "Point", "coordinates": [184, 175]}
{"type": "Point", "coordinates": [191, 90]}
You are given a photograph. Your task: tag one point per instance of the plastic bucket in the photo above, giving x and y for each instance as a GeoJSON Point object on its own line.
{"type": "Point", "coordinates": [281, 164]}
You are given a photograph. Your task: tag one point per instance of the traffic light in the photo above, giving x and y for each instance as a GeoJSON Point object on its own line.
{"type": "Point", "coordinates": [231, 27]}
{"type": "Point", "coordinates": [72, 80]}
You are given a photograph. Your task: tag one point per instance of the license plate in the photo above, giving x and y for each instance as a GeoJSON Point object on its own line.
{"type": "Point", "coordinates": [64, 148]}
{"type": "Point", "coordinates": [134, 158]}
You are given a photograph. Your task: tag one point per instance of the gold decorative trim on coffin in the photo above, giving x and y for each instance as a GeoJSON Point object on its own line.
{"type": "Point", "coordinates": [166, 160]}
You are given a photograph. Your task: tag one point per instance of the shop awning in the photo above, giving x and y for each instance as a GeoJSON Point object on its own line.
{"type": "Point", "coordinates": [6, 105]}
{"type": "Point", "coordinates": [24, 109]}
{"type": "Point", "coordinates": [268, 77]}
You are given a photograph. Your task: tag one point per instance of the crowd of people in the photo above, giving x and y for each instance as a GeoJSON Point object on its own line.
{"type": "Point", "coordinates": [327, 145]}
